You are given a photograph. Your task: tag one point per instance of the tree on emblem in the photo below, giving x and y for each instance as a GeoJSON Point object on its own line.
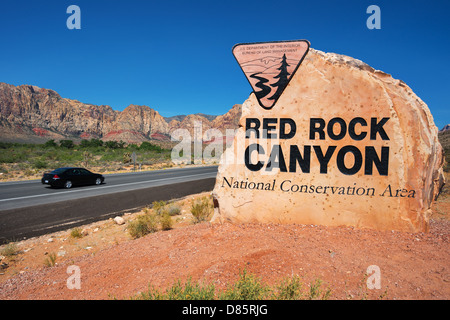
{"type": "Point", "coordinates": [282, 79]}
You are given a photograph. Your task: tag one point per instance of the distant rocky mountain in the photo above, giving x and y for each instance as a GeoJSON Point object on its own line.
{"type": "Point", "coordinates": [182, 116]}
{"type": "Point", "coordinates": [32, 114]}
{"type": "Point", "coordinates": [445, 128]}
{"type": "Point", "coordinates": [177, 118]}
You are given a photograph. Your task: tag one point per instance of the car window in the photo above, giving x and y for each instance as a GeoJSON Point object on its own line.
{"type": "Point", "coordinates": [59, 171]}
{"type": "Point", "coordinates": [76, 171]}
{"type": "Point", "coordinates": [84, 171]}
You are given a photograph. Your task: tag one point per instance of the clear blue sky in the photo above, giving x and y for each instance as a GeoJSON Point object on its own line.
{"type": "Point", "coordinates": [175, 56]}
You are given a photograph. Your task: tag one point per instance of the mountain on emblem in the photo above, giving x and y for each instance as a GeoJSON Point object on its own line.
{"type": "Point", "coordinates": [269, 66]}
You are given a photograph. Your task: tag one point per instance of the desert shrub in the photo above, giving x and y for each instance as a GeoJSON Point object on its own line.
{"type": "Point", "coordinates": [166, 221]}
{"type": "Point", "coordinates": [142, 226]}
{"type": "Point", "coordinates": [247, 287]}
{"type": "Point", "coordinates": [173, 209]}
{"type": "Point", "coordinates": [180, 291]}
{"type": "Point", "coordinates": [115, 144]}
{"type": "Point", "coordinates": [68, 156]}
{"type": "Point", "coordinates": [50, 261]}
{"type": "Point", "coordinates": [28, 172]}
{"type": "Point", "coordinates": [201, 209]}
{"type": "Point", "coordinates": [289, 289]}
{"type": "Point", "coordinates": [93, 143]}
{"type": "Point", "coordinates": [9, 249]}
{"type": "Point", "coordinates": [67, 144]}
{"type": "Point", "coordinates": [126, 158]}
{"type": "Point", "coordinates": [159, 207]}
{"type": "Point", "coordinates": [40, 164]}
{"type": "Point", "coordinates": [50, 144]}
{"type": "Point", "coordinates": [9, 157]}
{"type": "Point", "coordinates": [76, 233]}
{"type": "Point", "coordinates": [316, 292]}
{"type": "Point", "coordinates": [150, 147]}
{"type": "Point", "coordinates": [5, 145]}
{"type": "Point", "coordinates": [190, 291]}
{"type": "Point", "coordinates": [146, 210]}
{"type": "Point", "coordinates": [111, 157]}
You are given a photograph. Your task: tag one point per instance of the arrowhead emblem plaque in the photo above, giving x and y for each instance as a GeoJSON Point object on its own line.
{"type": "Point", "coordinates": [269, 66]}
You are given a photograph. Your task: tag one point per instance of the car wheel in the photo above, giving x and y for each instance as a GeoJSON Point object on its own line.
{"type": "Point", "coordinates": [98, 181]}
{"type": "Point", "coordinates": [68, 184]}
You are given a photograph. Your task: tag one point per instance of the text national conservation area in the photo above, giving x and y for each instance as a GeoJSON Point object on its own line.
{"type": "Point", "coordinates": [291, 186]}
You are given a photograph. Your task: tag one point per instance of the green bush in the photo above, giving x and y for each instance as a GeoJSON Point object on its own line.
{"type": "Point", "coordinates": [289, 289]}
{"type": "Point", "coordinates": [51, 260]}
{"type": "Point", "coordinates": [316, 292]}
{"type": "Point", "coordinates": [142, 226]}
{"type": "Point", "coordinates": [93, 143]}
{"type": "Point", "coordinates": [159, 207]}
{"type": "Point", "coordinates": [126, 158]}
{"type": "Point", "coordinates": [201, 209]}
{"type": "Point", "coordinates": [10, 157]}
{"type": "Point", "coordinates": [180, 291]}
{"type": "Point", "coordinates": [110, 157]}
{"type": "Point", "coordinates": [40, 164]}
{"type": "Point", "coordinates": [173, 209]}
{"type": "Point", "coordinates": [28, 172]}
{"type": "Point", "coordinates": [248, 287]}
{"type": "Point", "coordinates": [68, 144]}
{"type": "Point", "coordinates": [5, 145]}
{"type": "Point", "coordinates": [9, 249]}
{"type": "Point", "coordinates": [6, 158]}
{"type": "Point", "coordinates": [114, 144]}
{"type": "Point", "coordinates": [50, 144]}
{"type": "Point", "coordinates": [76, 233]}
{"type": "Point", "coordinates": [150, 147]}
{"type": "Point", "coordinates": [166, 221]}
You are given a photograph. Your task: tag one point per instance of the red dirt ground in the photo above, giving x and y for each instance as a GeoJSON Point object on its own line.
{"type": "Point", "coordinates": [413, 266]}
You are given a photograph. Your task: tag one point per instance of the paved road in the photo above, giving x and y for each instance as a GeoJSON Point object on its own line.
{"type": "Point", "coordinates": [15, 195]}
{"type": "Point", "coordinates": [30, 208]}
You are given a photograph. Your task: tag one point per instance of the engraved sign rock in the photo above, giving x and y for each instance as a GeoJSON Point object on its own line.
{"type": "Point", "coordinates": [341, 144]}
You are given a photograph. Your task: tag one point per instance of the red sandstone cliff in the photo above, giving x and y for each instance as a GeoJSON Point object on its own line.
{"type": "Point", "coordinates": [32, 114]}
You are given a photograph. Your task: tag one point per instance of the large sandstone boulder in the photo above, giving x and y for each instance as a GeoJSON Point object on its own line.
{"type": "Point", "coordinates": [364, 152]}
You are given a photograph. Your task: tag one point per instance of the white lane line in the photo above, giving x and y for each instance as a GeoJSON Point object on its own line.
{"type": "Point", "coordinates": [58, 225]}
{"type": "Point", "coordinates": [104, 187]}
{"type": "Point", "coordinates": [11, 183]}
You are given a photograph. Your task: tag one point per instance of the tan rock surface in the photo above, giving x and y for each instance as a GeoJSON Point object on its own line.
{"type": "Point", "coordinates": [329, 86]}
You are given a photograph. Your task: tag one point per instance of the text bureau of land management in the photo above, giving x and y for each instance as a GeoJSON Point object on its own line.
{"type": "Point", "coordinates": [292, 187]}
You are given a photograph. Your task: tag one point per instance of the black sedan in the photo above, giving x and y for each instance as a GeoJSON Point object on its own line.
{"type": "Point", "coordinates": [68, 177]}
